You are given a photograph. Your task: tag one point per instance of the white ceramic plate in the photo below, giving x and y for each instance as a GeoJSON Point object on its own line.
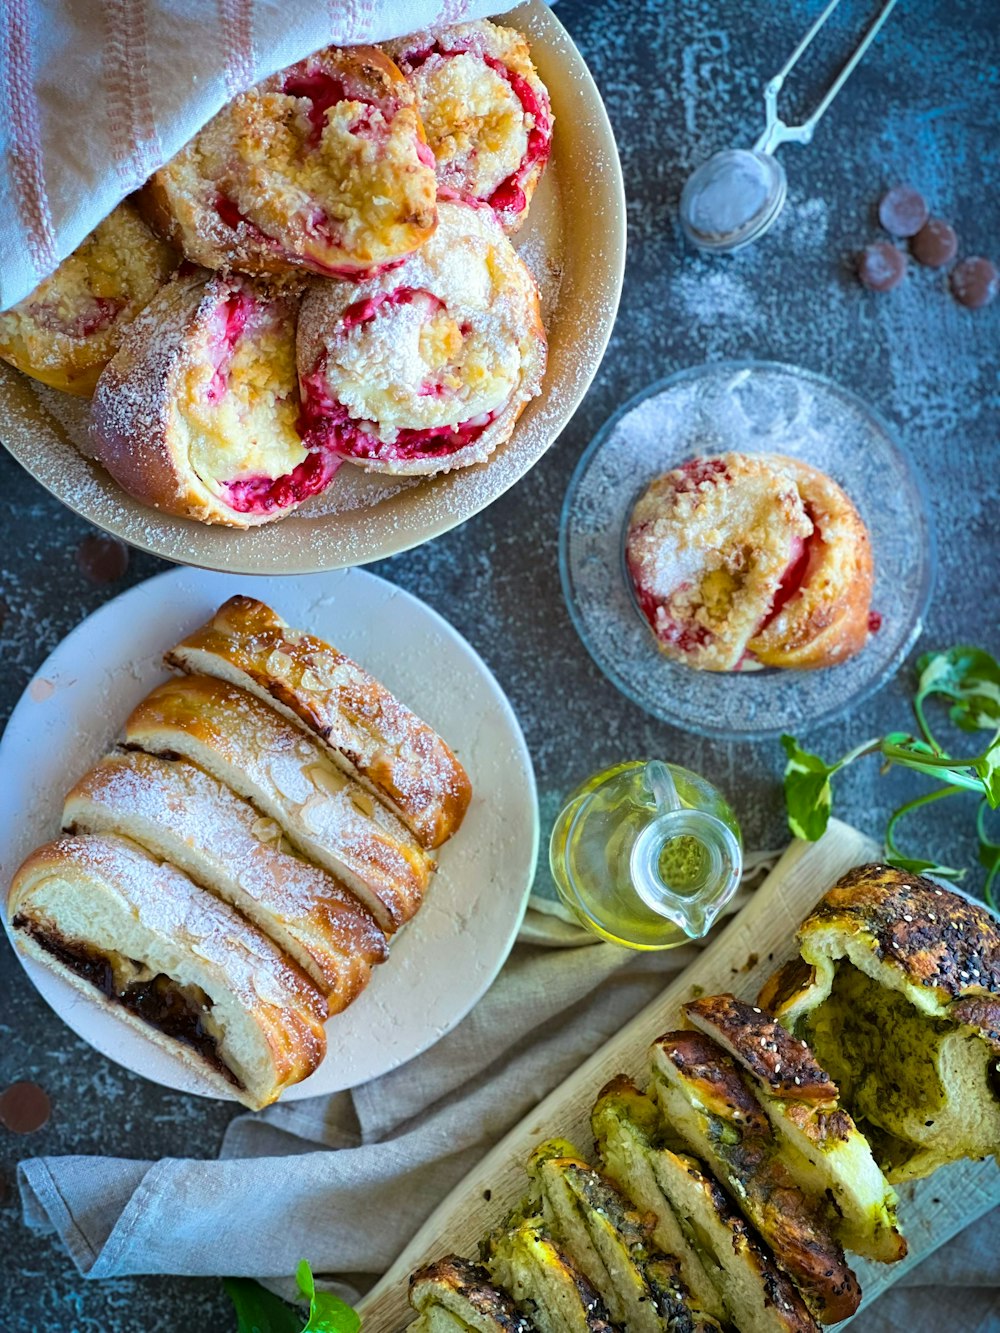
{"type": "Point", "coordinates": [574, 243]}
{"type": "Point", "coordinates": [445, 959]}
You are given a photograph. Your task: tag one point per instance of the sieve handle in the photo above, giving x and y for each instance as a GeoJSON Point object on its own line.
{"type": "Point", "coordinates": [776, 132]}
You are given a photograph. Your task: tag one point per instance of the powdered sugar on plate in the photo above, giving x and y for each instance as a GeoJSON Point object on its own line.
{"type": "Point", "coordinates": [748, 407]}
{"type": "Point", "coordinates": [574, 242]}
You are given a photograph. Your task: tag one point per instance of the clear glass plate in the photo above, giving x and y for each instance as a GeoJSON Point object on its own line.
{"type": "Point", "coordinates": [749, 407]}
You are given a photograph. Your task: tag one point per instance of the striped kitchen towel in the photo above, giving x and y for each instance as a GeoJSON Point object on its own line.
{"type": "Point", "coordinates": [96, 94]}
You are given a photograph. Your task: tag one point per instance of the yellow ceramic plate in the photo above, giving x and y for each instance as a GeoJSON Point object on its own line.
{"type": "Point", "coordinates": [574, 242]}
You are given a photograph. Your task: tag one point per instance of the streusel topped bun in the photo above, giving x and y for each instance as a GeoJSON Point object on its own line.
{"type": "Point", "coordinates": [71, 325]}
{"type": "Point", "coordinates": [427, 368]}
{"type": "Point", "coordinates": [739, 561]}
{"type": "Point", "coordinates": [822, 617]}
{"type": "Point", "coordinates": [323, 166]}
{"type": "Point", "coordinates": [197, 414]}
{"type": "Point", "coordinates": [485, 110]}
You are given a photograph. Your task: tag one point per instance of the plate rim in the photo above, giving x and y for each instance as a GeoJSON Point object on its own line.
{"type": "Point", "coordinates": [188, 1081]}
{"type": "Point", "coordinates": [541, 23]}
{"type": "Point", "coordinates": [734, 366]}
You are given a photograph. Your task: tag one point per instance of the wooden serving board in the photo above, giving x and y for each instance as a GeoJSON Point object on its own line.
{"type": "Point", "coordinates": [742, 956]}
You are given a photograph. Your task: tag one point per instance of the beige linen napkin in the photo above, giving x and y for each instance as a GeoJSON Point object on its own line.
{"type": "Point", "coordinates": [96, 94]}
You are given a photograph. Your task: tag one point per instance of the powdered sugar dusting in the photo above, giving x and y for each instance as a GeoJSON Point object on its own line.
{"type": "Point", "coordinates": [131, 792]}
{"type": "Point", "coordinates": [172, 907]}
{"type": "Point", "coordinates": [753, 408]}
{"type": "Point", "coordinates": [253, 749]}
{"type": "Point", "coordinates": [573, 240]}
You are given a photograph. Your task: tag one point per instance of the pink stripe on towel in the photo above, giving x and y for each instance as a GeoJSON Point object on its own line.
{"type": "Point", "coordinates": [26, 153]}
{"type": "Point", "coordinates": [131, 122]}
{"type": "Point", "coordinates": [236, 22]}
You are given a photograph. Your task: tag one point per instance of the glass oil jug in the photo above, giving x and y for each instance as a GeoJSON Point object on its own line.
{"type": "Point", "coordinates": [646, 854]}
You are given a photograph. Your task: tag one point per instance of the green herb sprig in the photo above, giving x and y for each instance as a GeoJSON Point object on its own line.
{"type": "Point", "coordinates": [968, 679]}
{"type": "Point", "coordinates": [260, 1311]}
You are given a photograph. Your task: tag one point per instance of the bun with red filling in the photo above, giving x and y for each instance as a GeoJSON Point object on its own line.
{"type": "Point", "coordinates": [741, 561]}
{"type": "Point", "coordinates": [324, 166]}
{"type": "Point", "coordinates": [427, 368]}
{"type": "Point", "coordinates": [197, 413]}
{"type": "Point", "coordinates": [485, 111]}
{"type": "Point", "coordinates": [71, 325]}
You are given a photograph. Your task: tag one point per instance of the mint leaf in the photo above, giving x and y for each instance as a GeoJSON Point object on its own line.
{"type": "Point", "coordinates": [808, 794]}
{"type": "Point", "coordinates": [970, 678]}
{"type": "Point", "coordinates": [259, 1310]}
{"type": "Point", "coordinates": [989, 855]}
{"type": "Point", "coordinates": [988, 768]}
{"type": "Point", "coordinates": [327, 1313]}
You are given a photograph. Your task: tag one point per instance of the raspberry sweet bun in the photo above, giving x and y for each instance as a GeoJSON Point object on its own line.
{"type": "Point", "coordinates": [821, 615]}
{"type": "Point", "coordinates": [486, 113]}
{"type": "Point", "coordinates": [363, 728]}
{"type": "Point", "coordinates": [71, 325]}
{"type": "Point", "coordinates": [144, 941]}
{"type": "Point", "coordinates": [183, 815]}
{"type": "Point", "coordinates": [323, 167]}
{"type": "Point", "coordinates": [425, 369]}
{"type": "Point", "coordinates": [740, 561]}
{"type": "Point", "coordinates": [196, 414]}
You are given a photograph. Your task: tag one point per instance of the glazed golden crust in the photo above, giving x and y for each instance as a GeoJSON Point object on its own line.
{"type": "Point", "coordinates": [129, 430]}
{"type": "Point", "coordinates": [729, 1125]}
{"type": "Point", "coordinates": [465, 1288]}
{"type": "Point", "coordinates": [783, 987]}
{"type": "Point", "coordinates": [269, 761]}
{"type": "Point", "coordinates": [321, 167]}
{"type": "Point", "coordinates": [827, 622]}
{"type": "Point", "coordinates": [932, 938]}
{"type": "Point", "coordinates": [784, 1066]}
{"type": "Point", "coordinates": [758, 1295]}
{"type": "Point", "coordinates": [183, 815]}
{"type": "Point", "coordinates": [367, 731]}
{"type": "Point", "coordinates": [236, 959]}
{"type": "Point", "coordinates": [71, 325]}
{"type": "Point", "coordinates": [183, 414]}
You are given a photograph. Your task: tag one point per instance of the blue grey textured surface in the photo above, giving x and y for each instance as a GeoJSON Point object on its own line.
{"type": "Point", "coordinates": [681, 79]}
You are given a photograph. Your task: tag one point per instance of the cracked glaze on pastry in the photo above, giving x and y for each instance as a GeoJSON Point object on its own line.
{"type": "Point", "coordinates": [71, 325]}
{"type": "Point", "coordinates": [486, 113]}
{"type": "Point", "coordinates": [427, 368]}
{"type": "Point", "coordinates": [324, 166]}
{"type": "Point", "coordinates": [197, 413]}
{"type": "Point", "coordinates": [740, 561]}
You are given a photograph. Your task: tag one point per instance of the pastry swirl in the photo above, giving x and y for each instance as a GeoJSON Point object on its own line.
{"type": "Point", "coordinates": [427, 368]}
{"type": "Point", "coordinates": [197, 413]}
{"type": "Point", "coordinates": [72, 324]}
{"type": "Point", "coordinates": [486, 113]}
{"type": "Point", "coordinates": [746, 560]}
{"type": "Point", "coordinates": [322, 167]}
